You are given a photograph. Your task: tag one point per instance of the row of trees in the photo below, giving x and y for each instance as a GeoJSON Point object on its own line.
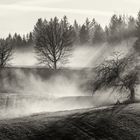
{"type": "Point", "coordinates": [53, 39]}
{"type": "Point", "coordinates": [18, 41]}
{"type": "Point", "coordinates": [121, 27]}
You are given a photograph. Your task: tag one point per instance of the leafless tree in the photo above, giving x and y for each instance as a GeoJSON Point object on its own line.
{"type": "Point", "coordinates": [118, 73]}
{"type": "Point", "coordinates": [53, 41]}
{"type": "Point", "coordinates": [5, 52]}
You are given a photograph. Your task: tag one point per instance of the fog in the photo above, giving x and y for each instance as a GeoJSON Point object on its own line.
{"type": "Point", "coordinates": [24, 58]}
{"type": "Point", "coordinates": [34, 94]}
{"type": "Point", "coordinates": [60, 91]}
{"type": "Point", "coordinates": [91, 56]}
{"type": "Point", "coordinates": [81, 56]}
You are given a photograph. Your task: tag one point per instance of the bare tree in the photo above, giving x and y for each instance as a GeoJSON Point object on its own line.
{"type": "Point", "coordinates": [118, 73]}
{"type": "Point", "coordinates": [5, 52]}
{"type": "Point", "coordinates": [53, 41]}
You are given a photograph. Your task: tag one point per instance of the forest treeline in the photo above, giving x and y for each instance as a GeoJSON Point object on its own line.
{"type": "Point", "coordinates": [18, 41]}
{"type": "Point", "coordinates": [120, 27]}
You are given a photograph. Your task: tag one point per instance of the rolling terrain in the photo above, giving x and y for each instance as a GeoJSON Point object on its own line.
{"type": "Point", "coordinates": [121, 122]}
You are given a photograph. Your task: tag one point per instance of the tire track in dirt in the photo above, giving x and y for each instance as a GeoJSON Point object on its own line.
{"type": "Point", "coordinates": [85, 129]}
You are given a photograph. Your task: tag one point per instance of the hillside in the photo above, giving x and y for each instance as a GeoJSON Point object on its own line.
{"type": "Point", "coordinates": [117, 123]}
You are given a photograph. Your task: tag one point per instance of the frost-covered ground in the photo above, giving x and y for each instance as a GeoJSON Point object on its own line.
{"type": "Point", "coordinates": [118, 123]}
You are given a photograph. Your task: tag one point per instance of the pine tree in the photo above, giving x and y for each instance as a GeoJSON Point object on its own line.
{"type": "Point", "coordinates": [76, 29]}
{"type": "Point", "coordinates": [131, 29]}
{"type": "Point", "coordinates": [99, 35]}
{"type": "Point", "coordinates": [137, 43]}
{"type": "Point", "coordinates": [138, 26]}
{"type": "Point", "coordinates": [84, 35]}
{"type": "Point", "coordinates": [30, 38]}
{"type": "Point", "coordinates": [116, 29]}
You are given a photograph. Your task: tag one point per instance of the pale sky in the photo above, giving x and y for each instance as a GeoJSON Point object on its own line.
{"type": "Point", "coordinates": [21, 15]}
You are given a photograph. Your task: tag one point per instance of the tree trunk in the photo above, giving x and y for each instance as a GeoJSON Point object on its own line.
{"type": "Point", "coordinates": [132, 94]}
{"type": "Point", "coordinates": [55, 65]}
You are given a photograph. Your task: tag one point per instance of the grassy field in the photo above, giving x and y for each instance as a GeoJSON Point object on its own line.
{"type": "Point", "coordinates": [112, 123]}
{"type": "Point", "coordinates": [14, 79]}
{"type": "Point", "coordinates": [121, 122]}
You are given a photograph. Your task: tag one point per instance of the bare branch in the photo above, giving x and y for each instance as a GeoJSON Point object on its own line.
{"type": "Point", "coordinates": [53, 41]}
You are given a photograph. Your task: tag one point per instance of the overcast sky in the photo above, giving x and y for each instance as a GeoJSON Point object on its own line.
{"type": "Point", "coordinates": [21, 15]}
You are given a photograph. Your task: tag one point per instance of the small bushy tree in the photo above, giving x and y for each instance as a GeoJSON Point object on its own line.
{"type": "Point", "coordinates": [118, 73]}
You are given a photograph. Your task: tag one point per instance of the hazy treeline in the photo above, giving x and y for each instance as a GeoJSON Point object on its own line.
{"type": "Point", "coordinates": [53, 39]}
{"type": "Point", "coordinates": [120, 27]}
{"type": "Point", "coordinates": [18, 41]}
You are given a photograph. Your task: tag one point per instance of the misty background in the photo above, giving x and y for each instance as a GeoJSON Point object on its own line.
{"type": "Point", "coordinates": [27, 87]}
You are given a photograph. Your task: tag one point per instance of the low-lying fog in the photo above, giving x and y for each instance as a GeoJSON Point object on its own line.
{"type": "Point", "coordinates": [82, 56]}
{"type": "Point", "coordinates": [59, 92]}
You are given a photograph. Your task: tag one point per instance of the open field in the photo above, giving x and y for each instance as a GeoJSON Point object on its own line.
{"type": "Point", "coordinates": [119, 123]}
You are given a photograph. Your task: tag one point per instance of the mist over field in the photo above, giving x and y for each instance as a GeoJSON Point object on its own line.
{"type": "Point", "coordinates": [91, 56]}
{"type": "Point", "coordinates": [81, 56]}
{"type": "Point", "coordinates": [62, 90]}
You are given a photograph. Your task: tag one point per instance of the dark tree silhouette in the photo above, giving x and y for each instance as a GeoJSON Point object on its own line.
{"type": "Point", "coordinates": [137, 43]}
{"type": "Point", "coordinates": [86, 32]}
{"type": "Point", "coordinates": [84, 35]}
{"type": "Point", "coordinates": [53, 41]}
{"type": "Point", "coordinates": [118, 73]}
{"type": "Point", "coordinates": [5, 52]}
{"type": "Point", "coordinates": [120, 28]}
{"type": "Point", "coordinates": [138, 25]}
{"type": "Point", "coordinates": [131, 27]}
{"type": "Point", "coordinates": [76, 29]}
{"type": "Point", "coordinates": [99, 35]}
{"type": "Point", "coordinates": [20, 42]}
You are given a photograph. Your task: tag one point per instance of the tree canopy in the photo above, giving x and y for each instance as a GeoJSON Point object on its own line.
{"type": "Point", "coordinates": [53, 41]}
